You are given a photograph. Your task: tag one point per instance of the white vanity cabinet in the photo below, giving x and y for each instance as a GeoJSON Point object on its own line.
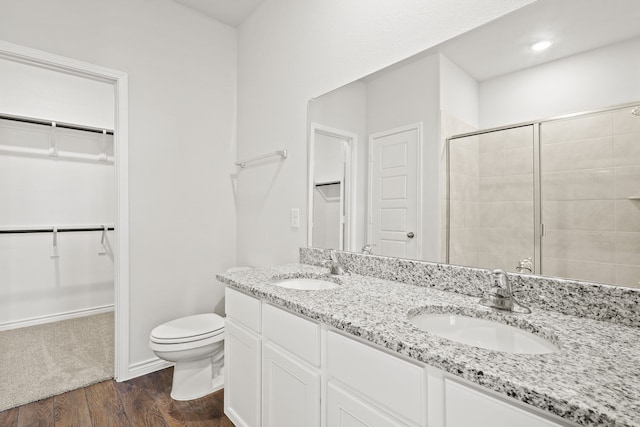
{"type": "Point", "coordinates": [242, 358]}
{"type": "Point", "coordinates": [377, 381]}
{"type": "Point", "coordinates": [272, 365]}
{"type": "Point", "coordinates": [282, 370]}
{"type": "Point", "coordinates": [466, 406]}
{"type": "Point", "coordinates": [291, 378]}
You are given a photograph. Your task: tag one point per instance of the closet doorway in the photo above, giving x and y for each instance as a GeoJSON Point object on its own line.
{"type": "Point", "coordinates": [93, 141]}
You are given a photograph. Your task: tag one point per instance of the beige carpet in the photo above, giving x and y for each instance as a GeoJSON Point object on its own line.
{"type": "Point", "coordinates": [44, 360]}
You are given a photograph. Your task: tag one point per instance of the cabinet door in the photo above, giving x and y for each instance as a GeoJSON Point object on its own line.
{"type": "Point", "coordinates": [345, 410]}
{"type": "Point", "coordinates": [465, 407]}
{"type": "Point", "coordinates": [242, 375]}
{"type": "Point", "coordinates": [290, 391]}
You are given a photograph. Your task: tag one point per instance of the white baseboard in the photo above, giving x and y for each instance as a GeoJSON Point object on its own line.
{"type": "Point", "coordinates": [50, 318]}
{"type": "Point", "coordinates": [146, 367]}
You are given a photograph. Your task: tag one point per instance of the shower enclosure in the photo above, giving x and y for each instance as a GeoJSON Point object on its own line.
{"type": "Point", "coordinates": [563, 192]}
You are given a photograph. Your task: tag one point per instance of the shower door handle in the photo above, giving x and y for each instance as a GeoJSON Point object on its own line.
{"type": "Point", "coordinates": [410, 235]}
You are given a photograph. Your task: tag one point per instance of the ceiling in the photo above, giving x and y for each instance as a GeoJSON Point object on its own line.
{"type": "Point", "coordinates": [503, 46]}
{"type": "Point", "coordinates": [230, 12]}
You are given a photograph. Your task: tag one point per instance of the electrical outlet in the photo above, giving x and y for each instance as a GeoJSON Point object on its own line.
{"type": "Point", "coordinates": [295, 218]}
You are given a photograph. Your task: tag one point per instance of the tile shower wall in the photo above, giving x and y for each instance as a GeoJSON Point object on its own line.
{"type": "Point", "coordinates": [590, 168]}
{"type": "Point", "coordinates": [492, 211]}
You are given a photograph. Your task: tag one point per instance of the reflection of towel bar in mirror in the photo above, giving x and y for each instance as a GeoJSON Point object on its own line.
{"type": "Point", "coordinates": [282, 153]}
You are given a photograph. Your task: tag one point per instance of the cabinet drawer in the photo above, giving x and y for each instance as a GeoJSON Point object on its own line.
{"type": "Point", "coordinates": [465, 406]}
{"type": "Point", "coordinates": [242, 308]}
{"type": "Point", "coordinates": [396, 385]}
{"type": "Point", "coordinates": [344, 410]}
{"type": "Point", "coordinates": [295, 334]}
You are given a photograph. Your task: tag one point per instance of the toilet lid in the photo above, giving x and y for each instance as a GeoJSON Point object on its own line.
{"type": "Point", "coordinates": [190, 328]}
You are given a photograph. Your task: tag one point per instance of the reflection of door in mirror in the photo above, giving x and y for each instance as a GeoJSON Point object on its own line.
{"type": "Point", "coordinates": [393, 192]}
{"type": "Point", "coordinates": [331, 187]}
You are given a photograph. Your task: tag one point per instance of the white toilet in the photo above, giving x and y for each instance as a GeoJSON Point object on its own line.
{"type": "Point", "coordinates": [196, 345]}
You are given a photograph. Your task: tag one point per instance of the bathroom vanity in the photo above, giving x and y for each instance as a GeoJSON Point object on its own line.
{"type": "Point", "coordinates": [348, 355]}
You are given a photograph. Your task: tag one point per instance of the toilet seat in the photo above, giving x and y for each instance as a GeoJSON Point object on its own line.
{"type": "Point", "coordinates": [188, 329]}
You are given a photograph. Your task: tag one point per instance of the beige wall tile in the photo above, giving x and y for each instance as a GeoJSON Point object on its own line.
{"type": "Point", "coordinates": [556, 131]}
{"type": "Point", "coordinates": [592, 126]}
{"type": "Point", "coordinates": [627, 149]}
{"type": "Point", "coordinates": [518, 188]}
{"type": "Point", "coordinates": [491, 189]}
{"type": "Point", "coordinates": [579, 215]}
{"type": "Point", "coordinates": [490, 240]}
{"type": "Point", "coordinates": [595, 153]}
{"type": "Point", "coordinates": [518, 215]}
{"type": "Point", "coordinates": [491, 261]}
{"type": "Point", "coordinates": [627, 215]}
{"type": "Point", "coordinates": [594, 246]}
{"type": "Point", "coordinates": [492, 142]}
{"type": "Point", "coordinates": [625, 122]}
{"type": "Point", "coordinates": [492, 163]}
{"type": "Point", "coordinates": [627, 182]}
{"type": "Point", "coordinates": [578, 185]}
{"type": "Point", "coordinates": [521, 137]}
{"type": "Point", "coordinates": [628, 248]}
{"type": "Point", "coordinates": [579, 270]}
{"type": "Point", "coordinates": [627, 275]}
{"type": "Point", "coordinates": [491, 214]}
{"type": "Point", "coordinates": [518, 161]}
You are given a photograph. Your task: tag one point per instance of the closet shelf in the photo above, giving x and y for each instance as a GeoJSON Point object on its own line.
{"type": "Point", "coordinates": [63, 229]}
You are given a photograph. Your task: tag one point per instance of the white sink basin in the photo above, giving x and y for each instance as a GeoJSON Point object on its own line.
{"type": "Point", "coordinates": [306, 284]}
{"type": "Point", "coordinates": [483, 333]}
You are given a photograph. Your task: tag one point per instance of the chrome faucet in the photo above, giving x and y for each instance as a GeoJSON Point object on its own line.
{"type": "Point", "coordinates": [525, 266]}
{"type": "Point", "coordinates": [335, 267]}
{"type": "Point", "coordinates": [368, 249]}
{"type": "Point", "coordinates": [500, 295]}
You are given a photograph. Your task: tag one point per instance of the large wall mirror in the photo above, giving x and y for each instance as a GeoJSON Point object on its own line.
{"type": "Point", "coordinates": [484, 152]}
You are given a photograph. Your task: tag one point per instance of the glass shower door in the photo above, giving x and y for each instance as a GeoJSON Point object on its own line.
{"type": "Point", "coordinates": [491, 199]}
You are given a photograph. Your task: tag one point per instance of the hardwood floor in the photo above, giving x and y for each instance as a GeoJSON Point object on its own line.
{"type": "Point", "coordinates": [142, 401]}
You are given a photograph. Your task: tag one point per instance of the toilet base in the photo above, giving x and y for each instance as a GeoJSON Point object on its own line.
{"type": "Point", "coordinates": [194, 379]}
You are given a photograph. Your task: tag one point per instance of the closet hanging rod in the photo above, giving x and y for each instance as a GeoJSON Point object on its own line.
{"type": "Point", "coordinates": [50, 230]}
{"type": "Point", "coordinates": [58, 124]}
{"type": "Point", "coordinates": [281, 153]}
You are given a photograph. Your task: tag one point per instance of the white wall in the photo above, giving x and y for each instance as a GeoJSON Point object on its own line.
{"type": "Point", "coordinates": [291, 51]}
{"type": "Point", "coordinates": [182, 85]}
{"type": "Point", "coordinates": [345, 109]}
{"type": "Point", "coordinates": [404, 96]}
{"type": "Point", "coordinates": [589, 81]}
{"type": "Point", "coordinates": [458, 92]}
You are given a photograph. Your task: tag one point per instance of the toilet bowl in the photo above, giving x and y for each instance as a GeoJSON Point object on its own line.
{"type": "Point", "coordinates": [196, 345]}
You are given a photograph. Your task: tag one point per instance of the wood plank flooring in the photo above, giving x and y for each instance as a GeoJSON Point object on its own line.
{"type": "Point", "coordinates": [142, 401]}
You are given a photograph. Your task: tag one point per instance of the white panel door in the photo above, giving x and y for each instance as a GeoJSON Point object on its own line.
{"type": "Point", "coordinates": [393, 174]}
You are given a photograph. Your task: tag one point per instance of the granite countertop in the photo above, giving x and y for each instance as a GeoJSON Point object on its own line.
{"type": "Point", "coordinates": [594, 380]}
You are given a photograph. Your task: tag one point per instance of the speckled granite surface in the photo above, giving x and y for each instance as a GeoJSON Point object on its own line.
{"type": "Point", "coordinates": [594, 380]}
{"type": "Point", "coordinates": [584, 299]}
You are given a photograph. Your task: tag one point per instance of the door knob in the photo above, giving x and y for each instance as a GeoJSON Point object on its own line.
{"type": "Point", "coordinates": [410, 235]}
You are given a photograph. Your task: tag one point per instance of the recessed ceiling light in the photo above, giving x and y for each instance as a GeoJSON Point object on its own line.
{"type": "Point", "coordinates": [541, 45]}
